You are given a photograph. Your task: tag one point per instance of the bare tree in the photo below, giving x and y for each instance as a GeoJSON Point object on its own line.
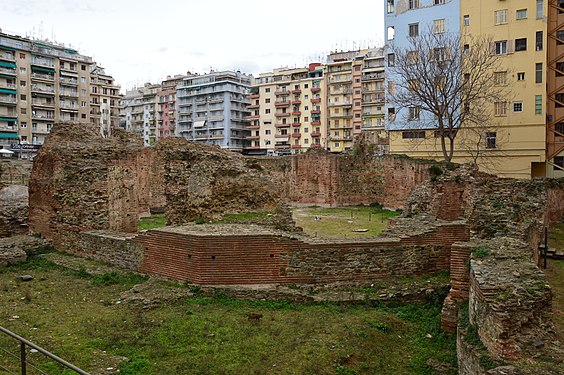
{"type": "Point", "coordinates": [456, 81]}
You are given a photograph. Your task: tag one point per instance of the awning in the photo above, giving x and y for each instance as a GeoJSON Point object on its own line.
{"type": "Point", "coordinates": [7, 48]}
{"type": "Point", "coordinates": [8, 91]}
{"type": "Point", "coordinates": [40, 69]}
{"type": "Point", "coordinates": [9, 119]}
{"type": "Point", "coordinates": [8, 75]}
{"type": "Point", "coordinates": [6, 135]}
{"type": "Point", "coordinates": [282, 139]}
{"type": "Point", "coordinates": [8, 64]}
{"type": "Point", "coordinates": [200, 124]}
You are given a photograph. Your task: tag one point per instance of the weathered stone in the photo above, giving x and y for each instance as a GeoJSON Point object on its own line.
{"type": "Point", "coordinates": [26, 277]}
{"type": "Point", "coordinates": [15, 249]}
{"type": "Point", "coordinates": [13, 210]}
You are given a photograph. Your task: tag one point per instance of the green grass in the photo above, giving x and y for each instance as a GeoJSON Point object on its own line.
{"type": "Point", "coordinates": [77, 319]}
{"type": "Point", "coordinates": [341, 222]}
{"type": "Point", "coordinates": [152, 222]}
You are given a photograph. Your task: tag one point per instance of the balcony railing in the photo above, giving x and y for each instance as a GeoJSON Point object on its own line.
{"type": "Point", "coordinates": [6, 85]}
{"type": "Point", "coordinates": [7, 99]}
{"type": "Point", "coordinates": [8, 71]}
{"type": "Point", "coordinates": [43, 88]}
{"type": "Point", "coordinates": [281, 114]}
{"type": "Point", "coordinates": [282, 103]}
{"type": "Point", "coordinates": [42, 103]}
{"type": "Point", "coordinates": [68, 80]}
{"type": "Point", "coordinates": [7, 56]}
{"type": "Point", "coordinates": [42, 76]}
{"type": "Point", "coordinates": [296, 124]}
{"type": "Point", "coordinates": [282, 92]}
{"type": "Point", "coordinates": [71, 93]}
{"type": "Point", "coordinates": [43, 62]}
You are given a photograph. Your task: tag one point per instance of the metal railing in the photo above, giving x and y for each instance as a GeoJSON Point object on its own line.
{"type": "Point", "coordinates": [23, 360]}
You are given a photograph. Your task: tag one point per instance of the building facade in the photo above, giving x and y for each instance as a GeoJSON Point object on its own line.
{"type": "Point", "coordinates": [166, 107]}
{"type": "Point", "coordinates": [41, 83]}
{"type": "Point", "coordinates": [212, 108]}
{"type": "Point", "coordinates": [287, 111]}
{"type": "Point", "coordinates": [517, 146]}
{"type": "Point", "coordinates": [104, 100]}
{"type": "Point", "coordinates": [138, 112]}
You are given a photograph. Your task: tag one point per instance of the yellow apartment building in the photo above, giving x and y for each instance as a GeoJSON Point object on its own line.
{"type": "Point", "coordinates": [288, 112]}
{"type": "Point", "coordinates": [516, 145]}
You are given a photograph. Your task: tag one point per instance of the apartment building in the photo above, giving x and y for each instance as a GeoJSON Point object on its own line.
{"type": "Point", "coordinates": [212, 108]}
{"type": "Point", "coordinates": [287, 111]}
{"type": "Point", "coordinates": [41, 83]}
{"type": "Point", "coordinates": [373, 98]}
{"type": "Point", "coordinates": [166, 107]}
{"type": "Point", "coordinates": [104, 100]}
{"type": "Point", "coordinates": [138, 109]}
{"type": "Point", "coordinates": [516, 146]}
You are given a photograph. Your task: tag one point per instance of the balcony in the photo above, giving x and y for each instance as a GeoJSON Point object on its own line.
{"type": "Point", "coordinates": [281, 136]}
{"type": "Point", "coordinates": [281, 114]}
{"type": "Point", "coordinates": [296, 102]}
{"type": "Point", "coordinates": [42, 76]}
{"type": "Point", "coordinates": [315, 112]}
{"type": "Point", "coordinates": [43, 116]}
{"type": "Point", "coordinates": [316, 100]}
{"type": "Point", "coordinates": [7, 56]}
{"type": "Point", "coordinates": [296, 124]}
{"type": "Point", "coordinates": [296, 92]}
{"type": "Point", "coordinates": [296, 146]}
{"type": "Point", "coordinates": [296, 113]}
{"type": "Point", "coordinates": [69, 107]}
{"type": "Point", "coordinates": [9, 71]}
{"type": "Point", "coordinates": [315, 89]}
{"type": "Point", "coordinates": [282, 103]}
{"type": "Point", "coordinates": [44, 89]}
{"type": "Point", "coordinates": [281, 125]}
{"type": "Point", "coordinates": [282, 92]}
{"type": "Point", "coordinates": [68, 81]}
{"type": "Point", "coordinates": [253, 127]}
{"type": "Point", "coordinates": [316, 134]}
{"type": "Point", "coordinates": [252, 117]}
{"type": "Point", "coordinates": [7, 99]}
{"type": "Point", "coordinates": [253, 106]}
{"type": "Point", "coordinates": [253, 96]}
{"type": "Point", "coordinates": [315, 145]}
{"type": "Point", "coordinates": [252, 137]}
{"type": "Point", "coordinates": [316, 123]}
{"type": "Point", "coordinates": [296, 135]}
{"type": "Point", "coordinates": [42, 103]}
{"type": "Point", "coordinates": [6, 85]}
{"type": "Point", "coordinates": [7, 128]}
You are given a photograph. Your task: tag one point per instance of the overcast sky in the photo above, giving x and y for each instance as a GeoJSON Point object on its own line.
{"type": "Point", "coordinates": [139, 41]}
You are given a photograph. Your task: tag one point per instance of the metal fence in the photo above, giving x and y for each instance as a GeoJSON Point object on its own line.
{"type": "Point", "coordinates": [25, 364]}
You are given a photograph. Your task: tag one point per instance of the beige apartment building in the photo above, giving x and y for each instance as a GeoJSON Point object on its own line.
{"type": "Point", "coordinates": [288, 111]}
{"type": "Point", "coordinates": [104, 100]}
{"type": "Point", "coordinates": [42, 83]}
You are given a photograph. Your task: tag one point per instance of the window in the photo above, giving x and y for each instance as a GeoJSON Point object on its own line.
{"type": "Point", "coordinates": [521, 44]}
{"type": "Point", "coordinates": [490, 139]}
{"type": "Point", "coordinates": [413, 85]}
{"type": "Point", "coordinates": [267, 132]}
{"type": "Point", "coordinates": [413, 29]}
{"type": "Point", "coordinates": [267, 111]}
{"type": "Point", "coordinates": [267, 89]}
{"type": "Point", "coordinates": [83, 115]}
{"type": "Point", "coordinates": [83, 104]}
{"type": "Point", "coordinates": [390, 8]}
{"type": "Point", "coordinates": [439, 26]}
{"type": "Point", "coordinates": [419, 134]}
{"type": "Point", "coordinates": [521, 14]}
{"type": "Point", "coordinates": [501, 47]}
{"type": "Point", "coordinates": [414, 113]}
{"type": "Point", "coordinates": [500, 108]}
{"type": "Point", "coordinates": [559, 161]}
{"type": "Point", "coordinates": [22, 56]}
{"type": "Point", "coordinates": [540, 9]}
{"type": "Point", "coordinates": [560, 37]}
{"type": "Point", "coordinates": [439, 54]}
{"type": "Point", "coordinates": [466, 20]}
{"type": "Point", "coordinates": [439, 2]}
{"type": "Point", "coordinates": [391, 114]}
{"type": "Point", "coordinates": [561, 5]}
{"type": "Point", "coordinates": [413, 4]}
{"type": "Point", "coordinates": [538, 104]}
{"type": "Point", "coordinates": [267, 100]}
{"type": "Point", "coordinates": [559, 127]}
{"type": "Point", "coordinates": [501, 17]}
{"type": "Point", "coordinates": [538, 73]}
{"type": "Point", "coordinates": [412, 57]}
{"type": "Point", "coordinates": [520, 76]}
{"type": "Point", "coordinates": [23, 97]}
{"type": "Point", "coordinates": [357, 68]}
{"type": "Point", "coordinates": [83, 67]}
{"type": "Point", "coordinates": [23, 70]}
{"type": "Point", "coordinates": [23, 125]}
{"type": "Point", "coordinates": [23, 111]}
{"type": "Point", "coordinates": [559, 69]}
{"type": "Point", "coordinates": [466, 49]}
{"type": "Point", "coordinates": [390, 33]}
{"type": "Point", "coordinates": [518, 106]}
{"type": "Point", "coordinates": [538, 41]}
{"type": "Point", "coordinates": [22, 83]}
{"type": "Point", "coordinates": [500, 78]}
{"type": "Point", "coordinates": [391, 59]}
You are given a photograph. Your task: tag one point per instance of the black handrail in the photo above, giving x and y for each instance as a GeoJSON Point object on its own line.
{"type": "Point", "coordinates": [24, 342]}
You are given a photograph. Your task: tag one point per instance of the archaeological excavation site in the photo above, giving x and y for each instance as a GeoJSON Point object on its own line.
{"type": "Point", "coordinates": [474, 244]}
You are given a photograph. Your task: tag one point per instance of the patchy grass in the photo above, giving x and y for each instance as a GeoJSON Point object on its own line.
{"type": "Point", "coordinates": [341, 222]}
{"type": "Point", "coordinates": [211, 334]}
{"type": "Point", "coordinates": [555, 277]}
{"type": "Point", "coordinates": [152, 222]}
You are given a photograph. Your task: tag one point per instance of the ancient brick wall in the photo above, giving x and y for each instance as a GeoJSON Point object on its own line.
{"type": "Point", "coordinates": [116, 248]}
{"type": "Point", "coordinates": [13, 210]}
{"type": "Point", "coordinates": [81, 181]}
{"type": "Point", "coordinates": [251, 258]}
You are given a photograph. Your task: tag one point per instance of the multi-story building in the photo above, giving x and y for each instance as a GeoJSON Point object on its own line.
{"type": "Point", "coordinates": [212, 108]}
{"type": "Point", "coordinates": [373, 98]}
{"type": "Point", "coordinates": [288, 113]}
{"type": "Point", "coordinates": [138, 112]}
{"type": "Point", "coordinates": [344, 90]}
{"type": "Point", "coordinates": [41, 83]}
{"type": "Point", "coordinates": [104, 100]}
{"type": "Point", "coordinates": [516, 145]}
{"type": "Point", "coordinates": [166, 107]}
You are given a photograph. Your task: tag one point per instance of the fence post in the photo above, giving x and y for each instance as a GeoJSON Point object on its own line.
{"type": "Point", "coordinates": [22, 357]}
